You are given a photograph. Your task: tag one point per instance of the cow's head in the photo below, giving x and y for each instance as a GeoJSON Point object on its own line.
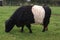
{"type": "Point", "coordinates": [9, 24]}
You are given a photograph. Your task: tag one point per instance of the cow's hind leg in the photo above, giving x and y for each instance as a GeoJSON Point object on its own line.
{"type": "Point", "coordinates": [45, 25]}
{"type": "Point", "coordinates": [29, 27]}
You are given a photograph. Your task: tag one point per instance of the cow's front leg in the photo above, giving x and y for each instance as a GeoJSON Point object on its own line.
{"type": "Point", "coordinates": [29, 27]}
{"type": "Point", "coordinates": [22, 28]}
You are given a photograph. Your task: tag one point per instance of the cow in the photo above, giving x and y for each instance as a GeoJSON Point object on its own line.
{"type": "Point", "coordinates": [27, 15]}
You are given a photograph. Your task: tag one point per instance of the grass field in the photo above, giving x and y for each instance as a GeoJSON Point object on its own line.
{"type": "Point", "coordinates": [53, 32]}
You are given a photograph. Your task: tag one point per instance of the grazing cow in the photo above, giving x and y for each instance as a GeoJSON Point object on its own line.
{"type": "Point", "coordinates": [27, 15]}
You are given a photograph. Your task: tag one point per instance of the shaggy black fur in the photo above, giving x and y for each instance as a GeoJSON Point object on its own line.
{"type": "Point", "coordinates": [9, 24]}
{"type": "Point", "coordinates": [47, 17]}
{"type": "Point", "coordinates": [24, 16]}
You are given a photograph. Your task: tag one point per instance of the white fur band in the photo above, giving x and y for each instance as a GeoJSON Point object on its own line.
{"type": "Point", "coordinates": [39, 13]}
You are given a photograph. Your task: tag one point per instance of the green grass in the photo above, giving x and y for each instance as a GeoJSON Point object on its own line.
{"type": "Point", "coordinates": [55, 10]}
{"type": "Point", "coordinates": [52, 34]}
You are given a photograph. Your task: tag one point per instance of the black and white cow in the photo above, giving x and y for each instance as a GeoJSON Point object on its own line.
{"type": "Point", "coordinates": [27, 15]}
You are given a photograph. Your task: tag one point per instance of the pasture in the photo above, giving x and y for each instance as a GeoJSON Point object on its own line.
{"type": "Point", "coordinates": [53, 32]}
